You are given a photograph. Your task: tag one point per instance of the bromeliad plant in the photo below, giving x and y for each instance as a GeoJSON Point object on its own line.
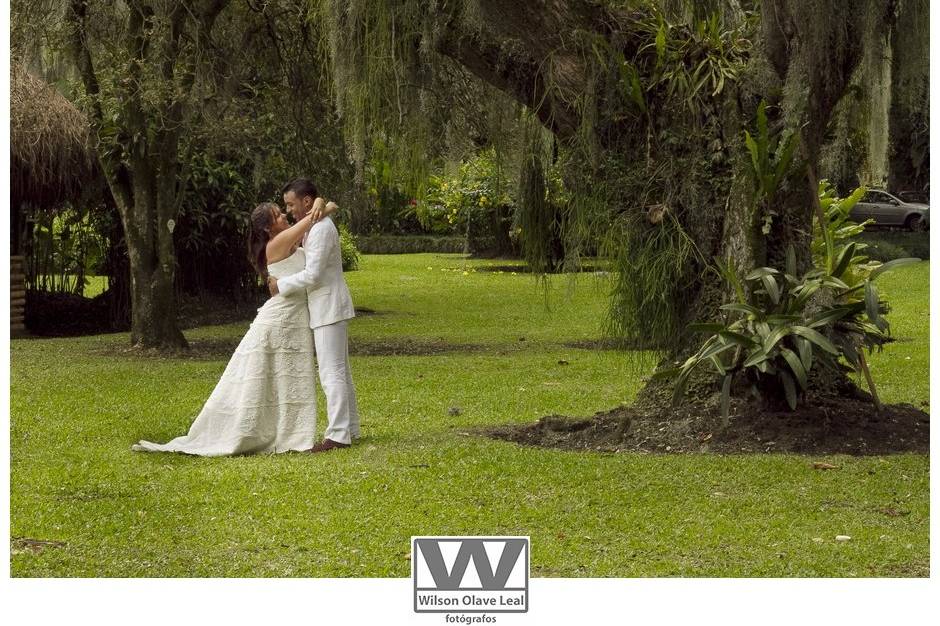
{"type": "Point", "coordinates": [837, 251]}
{"type": "Point", "coordinates": [771, 157]}
{"type": "Point", "coordinates": [781, 326]}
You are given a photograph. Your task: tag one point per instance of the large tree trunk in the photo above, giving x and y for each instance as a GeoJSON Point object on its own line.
{"type": "Point", "coordinates": [152, 272]}
{"type": "Point", "coordinates": [141, 163]}
{"type": "Point", "coordinates": [880, 134]}
{"type": "Point", "coordinates": [909, 114]}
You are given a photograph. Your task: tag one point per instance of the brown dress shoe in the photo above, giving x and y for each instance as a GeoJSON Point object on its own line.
{"type": "Point", "coordinates": [328, 444]}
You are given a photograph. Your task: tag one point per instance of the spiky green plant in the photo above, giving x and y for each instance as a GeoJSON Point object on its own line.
{"type": "Point", "coordinates": [781, 326]}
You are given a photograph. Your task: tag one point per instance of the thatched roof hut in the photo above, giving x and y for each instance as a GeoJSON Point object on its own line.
{"type": "Point", "coordinates": [50, 155]}
{"type": "Point", "coordinates": [50, 160]}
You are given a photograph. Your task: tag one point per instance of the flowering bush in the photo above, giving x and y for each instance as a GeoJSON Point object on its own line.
{"type": "Point", "coordinates": [476, 199]}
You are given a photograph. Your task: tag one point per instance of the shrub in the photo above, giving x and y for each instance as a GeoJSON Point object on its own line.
{"type": "Point", "coordinates": [410, 244]}
{"type": "Point", "coordinates": [348, 250]}
{"type": "Point", "coordinates": [475, 200]}
{"type": "Point", "coordinates": [887, 245]}
{"type": "Point", "coordinates": [50, 314]}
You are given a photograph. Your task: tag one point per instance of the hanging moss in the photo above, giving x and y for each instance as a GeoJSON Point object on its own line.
{"type": "Point", "coordinates": [646, 114]}
{"type": "Point", "coordinates": [538, 218]}
{"type": "Point", "coordinates": [909, 119]}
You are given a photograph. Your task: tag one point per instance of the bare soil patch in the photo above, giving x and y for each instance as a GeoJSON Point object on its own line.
{"type": "Point", "coordinates": [409, 346]}
{"type": "Point", "coordinates": [608, 343]}
{"type": "Point", "coordinates": [827, 426]}
{"type": "Point", "coordinates": [199, 350]}
{"type": "Point", "coordinates": [222, 349]}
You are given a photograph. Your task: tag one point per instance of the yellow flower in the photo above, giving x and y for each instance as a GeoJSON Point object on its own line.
{"type": "Point", "coordinates": [466, 273]}
{"type": "Point", "coordinates": [482, 200]}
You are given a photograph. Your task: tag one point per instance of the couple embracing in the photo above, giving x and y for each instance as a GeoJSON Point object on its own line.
{"type": "Point", "coordinates": [266, 398]}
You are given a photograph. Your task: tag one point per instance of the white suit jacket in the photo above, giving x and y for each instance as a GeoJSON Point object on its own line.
{"type": "Point", "coordinates": [328, 296]}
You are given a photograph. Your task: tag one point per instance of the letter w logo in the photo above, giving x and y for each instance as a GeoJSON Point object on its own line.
{"type": "Point", "coordinates": [470, 549]}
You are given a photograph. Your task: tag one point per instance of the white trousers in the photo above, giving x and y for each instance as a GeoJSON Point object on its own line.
{"type": "Point", "coordinates": [336, 378]}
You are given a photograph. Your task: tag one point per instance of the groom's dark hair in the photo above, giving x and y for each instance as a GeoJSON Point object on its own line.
{"type": "Point", "coordinates": [301, 187]}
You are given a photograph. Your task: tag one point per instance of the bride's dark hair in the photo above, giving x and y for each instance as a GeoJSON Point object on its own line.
{"type": "Point", "coordinates": [258, 237]}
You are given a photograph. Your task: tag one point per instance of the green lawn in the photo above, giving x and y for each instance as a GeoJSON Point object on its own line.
{"type": "Point", "coordinates": [95, 285]}
{"type": "Point", "coordinates": [418, 471]}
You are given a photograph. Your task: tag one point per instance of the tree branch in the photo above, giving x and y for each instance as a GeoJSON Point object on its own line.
{"type": "Point", "coordinates": [525, 49]}
{"type": "Point", "coordinates": [520, 79]}
{"type": "Point", "coordinates": [116, 172]}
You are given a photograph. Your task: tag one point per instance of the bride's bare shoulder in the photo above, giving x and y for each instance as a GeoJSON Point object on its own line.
{"type": "Point", "coordinates": [278, 260]}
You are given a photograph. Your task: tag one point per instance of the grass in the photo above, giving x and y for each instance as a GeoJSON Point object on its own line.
{"type": "Point", "coordinates": [418, 469]}
{"type": "Point", "coordinates": [95, 285]}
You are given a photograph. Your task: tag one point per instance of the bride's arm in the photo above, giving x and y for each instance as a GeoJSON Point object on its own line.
{"type": "Point", "coordinates": [321, 210]}
{"type": "Point", "coordinates": [280, 245]}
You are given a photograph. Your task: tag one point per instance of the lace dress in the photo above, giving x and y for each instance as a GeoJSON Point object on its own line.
{"type": "Point", "coordinates": [266, 398]}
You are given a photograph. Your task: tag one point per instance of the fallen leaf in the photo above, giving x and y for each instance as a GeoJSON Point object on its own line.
{"type": "Point", "coordinates": [21, 545]}
{"type": "Point", "coordinates": [892, 512]}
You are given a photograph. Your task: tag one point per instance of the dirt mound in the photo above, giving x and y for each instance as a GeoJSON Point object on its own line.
{"type": "Point", "coordinates": [199, 350]}
{"type": "Point", "coordinates": [831, 426]}
{"type": "Point", "coordinates": [610, 343]}
{"type": "Point", "coordinates": [408, 346]}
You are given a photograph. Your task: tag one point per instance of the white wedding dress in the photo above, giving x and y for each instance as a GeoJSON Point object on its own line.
{"type": "Point", "coordinates": [266, 398]}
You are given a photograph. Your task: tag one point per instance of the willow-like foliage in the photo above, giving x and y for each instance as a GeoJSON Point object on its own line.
{"type": "Point", "coordinates": [400, 100]}
{"type": "Point", "coordinates": [647, 101]}
{"type": "Point", "coordinates": [535, 215]}
{"type": "Point", "coordinates": [646, 132]}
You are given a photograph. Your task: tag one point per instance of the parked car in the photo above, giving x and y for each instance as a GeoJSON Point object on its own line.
{"type": "Point", "coordinates": [889, 210]}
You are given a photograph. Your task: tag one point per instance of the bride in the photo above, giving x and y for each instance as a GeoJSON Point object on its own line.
{"type": "Point", "coordinates": [266, 398]}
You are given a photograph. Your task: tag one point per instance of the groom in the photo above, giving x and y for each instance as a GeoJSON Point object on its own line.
{"type": "Point", "coordinates": [330, 307]}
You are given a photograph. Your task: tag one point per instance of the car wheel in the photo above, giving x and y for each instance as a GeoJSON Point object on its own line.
{"type": "Point", "coordinates": [916, 223]}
